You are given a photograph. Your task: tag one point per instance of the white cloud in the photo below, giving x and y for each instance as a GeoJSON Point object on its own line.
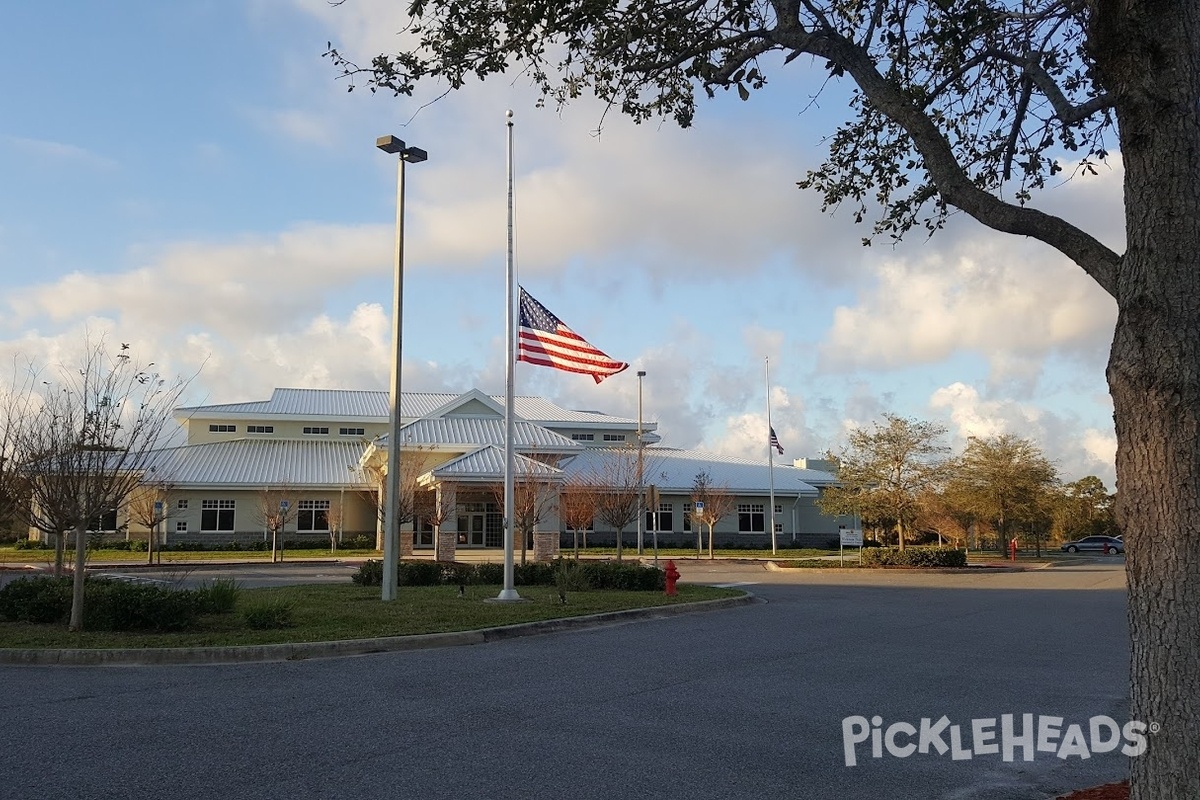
{"type": "Point", "coordinates": [1000, 298]}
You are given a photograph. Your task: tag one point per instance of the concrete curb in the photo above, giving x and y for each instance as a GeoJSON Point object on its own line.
{"type": "Point", "coordinates": [297, 651]}
{"type": "Point", "coordinates": [989, 569]}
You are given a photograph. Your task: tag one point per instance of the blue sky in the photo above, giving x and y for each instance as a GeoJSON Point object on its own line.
{"type": "Point", "coordinates": [193, 178]}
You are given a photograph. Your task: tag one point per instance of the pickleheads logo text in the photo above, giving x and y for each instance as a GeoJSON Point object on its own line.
{"type": "Point", "coordinates": [1006, 736]}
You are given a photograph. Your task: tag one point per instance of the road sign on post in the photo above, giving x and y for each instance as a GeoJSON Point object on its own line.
{"type": "Point", "coordinates": [849, 537]}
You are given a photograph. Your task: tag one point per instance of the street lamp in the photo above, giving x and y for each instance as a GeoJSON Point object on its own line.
{"type": "Point", "coordinates": [641, 528]}
{"type": "Point", "coordinates": [391, 527]}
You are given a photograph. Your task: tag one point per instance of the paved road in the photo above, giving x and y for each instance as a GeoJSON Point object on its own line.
{"type": "Point", "coordinates": [746, 703]}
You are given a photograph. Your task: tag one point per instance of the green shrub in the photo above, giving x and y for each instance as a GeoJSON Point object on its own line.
{"type": "Point", "coordinates": [370, 573]}
{"type": "Point", "coordinates": [462, 574]}
{"type": "Point", "coordinates": [360, 542]}
{"type": "Point", "coordinates": [218, 596]}
{"type": "Point", "coordinates": [627, 577]}
{"type": "Point", "coordinates": [914, 557]}
{"type": "Point", "coordinates": [39, 600]}
{"type": "Point", "coordinates": [122, 606]}
{"type": "Point", "coordinates": [489, 574]}
{"type": "Point", "coordinates": [420, 573]}
{"type": "Point", "coordinates": [533, 573]}
{"type": "Point", "coordinates": [269, 615]}
{"type": "Point", "coordinates": [30, 544]}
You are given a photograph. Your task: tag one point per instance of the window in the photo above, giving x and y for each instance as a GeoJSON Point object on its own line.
{"type": "Point", "coordinates": [687, 516]}
{"type": "Point", "coordinates": [216, 515]}
{"type": "Point", "coordinates": [312, 515]}
{"type": "Point", "coordinates": [222, 428]}
{"type": "Point", "coordinates": [614, 437]}
{"type": "Point", "coordinates": [778, 517]}
{"type": "Point", "coordinates": [260, 429]}
{"type": "Point", "coordinates": [665, 522]}
{"type": "Point", "coordinates": [181, 526]}
{"type": "Point", "coordinates": [352, 431]}
{"type": "Point", "coordinates": [751, 518]}
{"type": "Point", "coordinates": [584, 437]}
{"type": "Point", "coordinates": [182, 505]}
{"type": "Point", "coordinates": [315, 431]}
{"type": "Point", "coordinates": [104, 521]}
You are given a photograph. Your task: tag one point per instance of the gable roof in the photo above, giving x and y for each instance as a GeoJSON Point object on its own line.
{"type": "Point", "coordinates": [487, 464]}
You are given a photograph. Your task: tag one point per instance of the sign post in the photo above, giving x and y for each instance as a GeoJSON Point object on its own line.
{"type": "Point", "coordinates": [851, 537]}
{"type": "Point", "coordinates": [696, 515]}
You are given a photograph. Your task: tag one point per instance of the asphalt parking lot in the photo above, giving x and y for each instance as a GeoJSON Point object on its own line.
{"type": "Point", "coordinates": [748, 702]}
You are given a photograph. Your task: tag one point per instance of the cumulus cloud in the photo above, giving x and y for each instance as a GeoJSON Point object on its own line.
{"type": "Point", "coordinates": [999, 298]}
{"type": "Point", "coordinates": [1076, 449]}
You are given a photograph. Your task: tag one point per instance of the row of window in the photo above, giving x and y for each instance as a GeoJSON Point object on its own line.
{"type": "Point", "coordinates": [218, 515]}
{"type": "Point", "coordinates": [591, 437]}
{"type": "Point", "coordinates": [309, 430]}
{"type": "Point", "coordinates": [313, 515]}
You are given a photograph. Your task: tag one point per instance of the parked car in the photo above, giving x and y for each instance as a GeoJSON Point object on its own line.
{"type": "Point", "coordinates": [1102, 544]}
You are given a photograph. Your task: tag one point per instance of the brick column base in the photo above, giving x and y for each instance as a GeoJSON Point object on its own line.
{"type": "Point", "coordinates": [406, 544]}
{"type": "Point", "coordinates": [446, 542]}
{"type": "Point", "coordinates": [545, 545]}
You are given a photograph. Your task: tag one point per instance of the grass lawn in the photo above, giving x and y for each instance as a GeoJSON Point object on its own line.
{"type": "Point", "coordinates": [335, 612]}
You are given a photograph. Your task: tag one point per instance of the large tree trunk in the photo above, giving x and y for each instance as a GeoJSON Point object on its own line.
{"type": "Point", "coordinates": [1149, 55]}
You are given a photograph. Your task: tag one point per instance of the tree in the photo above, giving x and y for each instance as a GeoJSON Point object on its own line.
{"type": "Point", "coordinates": [414, 462]}
{"type": "Point", "coordinates": [577, 504]}
{"type": "Point", "coordinates": [534, 497]}
{"type": "Point", "coordinates": [971, 105]}
{"type": "Point", "coordinates": [710, 504]}
{"type": "Point", "coordinates": [619, 501]}
{"type": "Point", "coordinates": [1005, 480]}
{"type": "Point", "coordinates": [883, 472]}
{"type": "Point", "coordinates": [149, 506]}
{"type": "Point", "coordinates": [87, 444]}
{"type": "Point", "coordinates": [1084, 508]}
{"type": "Point", "coordinates": [276, 508]}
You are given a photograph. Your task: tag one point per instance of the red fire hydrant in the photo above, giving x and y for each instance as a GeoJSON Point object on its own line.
{"type": "Point", "coordinates": [672, 576]}
{"type": "Point", "coordinates": [1012, 549]}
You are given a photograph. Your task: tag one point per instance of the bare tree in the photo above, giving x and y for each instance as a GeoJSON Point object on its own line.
{"type": "Point", "coordinates": [88, 442]}
{"type": "Point", "coordinates": [414, 462]}
{"type": "Point", "coordinates": [276, 508]}
{"type": "Point", "coordinates": [710, 504]}
{"type": "Point", "coordinates": [619, 499]}
{"type": "Point", "coordinates": [577, 506]}
{"type": "Point", "coordinates": [436, 506]}
{"type": "Point", "coordinates": [150, 506]}
{"type": "Point", "coordinates": [534, 495]}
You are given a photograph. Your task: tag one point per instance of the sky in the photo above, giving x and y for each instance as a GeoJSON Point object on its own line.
{"type": "Point", "coordinates": [193, 178]}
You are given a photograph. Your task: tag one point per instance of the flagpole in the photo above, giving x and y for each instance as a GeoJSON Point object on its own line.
{"type": "Point", "coordinates": [509, 592]}
{"type": "Point", "coordinates": [770, 453]}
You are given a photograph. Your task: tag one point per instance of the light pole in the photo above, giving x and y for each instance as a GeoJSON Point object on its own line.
{"type": "Point", "coordinates": [391, 528]}
{"type": "Point", "coordinates": [641, 528]}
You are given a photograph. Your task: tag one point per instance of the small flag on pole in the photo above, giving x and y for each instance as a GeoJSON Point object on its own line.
{"type": "Point", "coordinates": [543, 339]}
{"type": "Point", "coordinates": [775, 442]}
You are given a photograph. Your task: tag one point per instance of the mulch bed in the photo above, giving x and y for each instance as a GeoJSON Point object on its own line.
{"type": "Point", "coordinates": [1109, 791]}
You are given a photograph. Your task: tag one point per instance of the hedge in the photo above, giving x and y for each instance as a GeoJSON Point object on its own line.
{"type": "Point", "coordinates": [597, 575]}
{"type": "Point", "coordinates": [914, 557]}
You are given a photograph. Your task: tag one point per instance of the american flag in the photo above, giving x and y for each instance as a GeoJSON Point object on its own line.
{"type": "Point", "coordinates": [775, 442]}
{"type": "Point", "coordinates": [543, 339]}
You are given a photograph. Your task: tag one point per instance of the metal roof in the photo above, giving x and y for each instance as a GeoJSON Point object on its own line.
{"type": "Point", "coordinates": [260, 463]}
{"type": "Point", "coordinates": [471, 432]}
{"type": "Point", "coordinates": [674, 471]}
{"type": "Point", "coordinates": [373, 405]}
{"type": "Point", "coordinates": [487, 463]}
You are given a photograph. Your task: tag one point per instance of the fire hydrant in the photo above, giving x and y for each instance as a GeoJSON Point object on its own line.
{"type": "Point", "coordinates": [672, 576]}
{"type": "Point", "coordinates": [1012, 549]}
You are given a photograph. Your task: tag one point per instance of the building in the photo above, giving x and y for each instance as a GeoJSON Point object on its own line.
{"type": "Point", "coordinates": [308, 464]}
